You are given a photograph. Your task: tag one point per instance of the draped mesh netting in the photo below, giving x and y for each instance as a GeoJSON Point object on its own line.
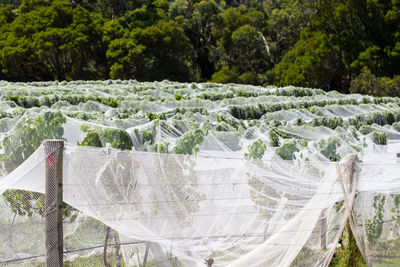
{"type": "Point", "coordinates": [190, 208]}
{"type": "Point", "coordinates": [173, 174]}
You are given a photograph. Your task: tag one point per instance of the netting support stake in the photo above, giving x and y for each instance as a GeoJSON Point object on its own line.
{"type": "Point", "coordinates": [323, 228]}
{"type": "Point", "coordinates": [146, 254]}
{"type": "Point", "coordinates": [209, 262]}
{"type": "Point", "coordinates": [53, 202]}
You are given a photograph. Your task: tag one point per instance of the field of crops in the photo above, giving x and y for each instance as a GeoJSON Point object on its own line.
{"type": "Point", "coordinates": [229, 121]}
{"type": "Point", "coordinates": [292, 123]}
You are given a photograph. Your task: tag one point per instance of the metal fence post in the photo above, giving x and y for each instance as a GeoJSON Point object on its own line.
{"type": "Point", "coordinates": [53, 202]}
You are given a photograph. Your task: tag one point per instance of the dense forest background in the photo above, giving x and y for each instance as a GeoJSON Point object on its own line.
{"type": "Point", "coordinates": [343, 45]}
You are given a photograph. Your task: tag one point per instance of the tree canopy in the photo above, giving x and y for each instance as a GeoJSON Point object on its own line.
{"type": "Point", "coordinates": [329, 44]}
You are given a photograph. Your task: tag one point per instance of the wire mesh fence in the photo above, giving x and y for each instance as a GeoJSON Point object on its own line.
{"type": "Point", "coordinates": [121, 208]}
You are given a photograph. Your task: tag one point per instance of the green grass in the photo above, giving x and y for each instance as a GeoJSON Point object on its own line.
{"type": "Point", "coordinates": [94, 260]}
{"type": "Point", "coordinates": [348, 255]}
{"type": "Point", "coordinates": [387, 262]}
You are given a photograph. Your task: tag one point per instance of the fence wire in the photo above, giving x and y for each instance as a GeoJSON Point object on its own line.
{"type": "Point", "coordinates": [234, 213]}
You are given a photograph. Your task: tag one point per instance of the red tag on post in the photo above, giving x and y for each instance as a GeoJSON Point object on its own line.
{"type": "Point", "coordinates": [50, 160]}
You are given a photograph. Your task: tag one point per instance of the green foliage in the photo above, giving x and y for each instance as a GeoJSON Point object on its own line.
{"type": "Point", "coordinates": [225, 75]}
{"type": "Point", "coordinates": [342, 38]}
{"type": "Point", "coordinates": [396, 126]}
{"type": "Point", "coordinates": [153, 116]}
{"type": "Point", "coordinates": [189, 143]}
{"type": "Point", "coordinates": [26, 101]}
{"type": "Point", "coordinates": [6, 15]}
{"type": "Point", "coordinates": [178, 97]}
{"type": "Point", "coordinates": [368, 83]}
{"type": "Point", "coordinates": [328, 44]}
{"type": "Point", "coordinates": [145, 138]}
{"type": "Point", "coordinates": [273, 138]}
{"type": "Point", "coordinates": [92, 138]}
{"type": "Point", "coordinates": [379, 138]}
{"type": "Point", "coordinates": [241, 49]}
{"type": "Point", "coordinates": [396, 208]}
{"type": "Point", "coordinates": [248, 78]}
{"type": "Point", "coordinates": [255, 111]}
{"type": "Point", "coordinates": [52, 40]}
{"type": "Point", "coordinates": [348, 254]}
{"type": "Point", "coordinates": [330, 122]}
{"type": "Point", "coordinates": [375, 226]}
{"type": "Point", "coordinates": [366, 129]}
{"type": "Point", "coordinates": [309, 63]}
{"type": "Point", "coordinates": [156, 52]}
{"type": "Point", "coordinates": [299, 121]}
{"type": "Point", "coordinates": [28, 136]}
{"type": "Point", "coordinates": [256, 150]}
{"type": "Point", "coordinates": [287, 150]}
{"type": "Point", "coordinates": [162, 147]}
{"type": "Point", "coordinates": [249, 134]}
{"type": "Point", "coordinates": [115, 137]}
{"type": "Point", "coordinates": [328, 147]}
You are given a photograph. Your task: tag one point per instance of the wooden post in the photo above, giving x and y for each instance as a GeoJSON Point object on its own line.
{"type": "Point", "coordinates": [209, 262]}
{"type": "Point", "coordinates": [146, 254]}
{"type": "Point", "coordinates": [353, 242]}
{"type": "Point", "coordinates": [53, 202]}
{"type": "Point", "coordinates": [348, 200]}
{"type": "Point", "coordinates": [323, 229]}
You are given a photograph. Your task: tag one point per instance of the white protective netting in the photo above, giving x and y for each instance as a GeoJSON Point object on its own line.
{"type": "Point", "coordinates": [238, 212]}
{"type": "Point", "coordinates": [242, 175]}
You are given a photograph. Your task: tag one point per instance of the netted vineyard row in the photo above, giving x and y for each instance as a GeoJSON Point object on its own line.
{"type": "Point", "coordinates": [263, 161]}
{"type": "Point", "coordinates": [187, 118]}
